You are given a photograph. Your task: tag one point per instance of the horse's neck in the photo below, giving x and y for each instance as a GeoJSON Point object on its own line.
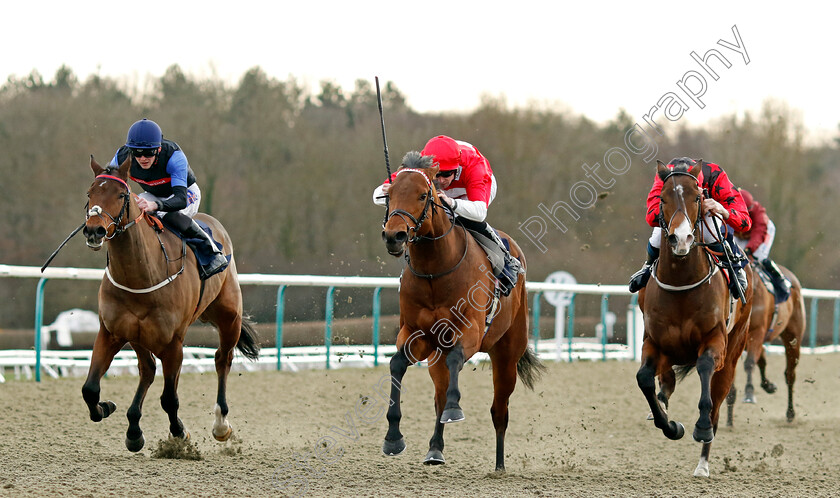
{"type": "Point", "coordinates": [682, 271]}
{"type": "Point", "coordinates": [134, 256]}
{"type": "Point", "coordinates": [434, 256]}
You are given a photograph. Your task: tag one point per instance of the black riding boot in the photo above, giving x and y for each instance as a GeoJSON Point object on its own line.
{"type": "Point", "coordinates": [508, 274]}
{"type": "Point", "coordinates": [640, 279]}
{"type": "Point", "coordinates": [218, 261]}
{"type": "Point", "coordinates": [780, 282]}
{"type": "Point", "coordinates": [735, 268]}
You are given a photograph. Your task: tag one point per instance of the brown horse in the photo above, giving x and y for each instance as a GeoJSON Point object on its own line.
{"type": "Point", "coordinates": [445, 298]}
{"type": "Point", "coordinates": [689, 319]}
{"type": "Point", "coordinates": [150, 294]}
{"type": "Point", "coordinates": [769, 321]}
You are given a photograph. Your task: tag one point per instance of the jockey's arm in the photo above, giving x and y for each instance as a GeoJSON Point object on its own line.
{"type": "Point", "coordinates": [471, 210]}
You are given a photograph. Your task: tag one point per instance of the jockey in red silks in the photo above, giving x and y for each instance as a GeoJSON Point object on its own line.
{"type": "Point", "coordinates": [467, 185]}
{"type": "Point", "coordinates": [722, 200]}
{"type": "Point", "coordinates": [757, 241]}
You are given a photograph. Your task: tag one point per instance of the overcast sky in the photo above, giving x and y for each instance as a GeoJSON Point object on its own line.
{"type": "Point", "coordinates": [591, 59]}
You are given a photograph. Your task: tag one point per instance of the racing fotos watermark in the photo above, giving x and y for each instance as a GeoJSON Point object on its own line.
{"type": "Point", "coordinates": [639, 140]}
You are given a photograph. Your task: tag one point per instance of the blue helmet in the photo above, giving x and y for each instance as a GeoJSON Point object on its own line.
{"type": "Point", "coordinates": [144, 134]}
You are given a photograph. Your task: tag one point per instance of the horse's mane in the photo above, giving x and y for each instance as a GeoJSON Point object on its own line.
{"type": "Point", "coordinates": [110, 170]}
{"type": "Point", "coordinates": [414, 159]}
{"type": "Point", "coordinates": [681, 165]}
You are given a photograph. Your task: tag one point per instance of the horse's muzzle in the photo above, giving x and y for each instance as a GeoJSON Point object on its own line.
{"type": "Point", "coordinates": [395, 241]}
{"type": "Point", "coordinates": [680, 246]}
{"type": "Point", "coordinates": [94, 237]}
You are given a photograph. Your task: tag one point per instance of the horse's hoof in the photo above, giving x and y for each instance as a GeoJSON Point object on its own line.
{"type": "Point", "coordinates": [135, 445]}
{"type": "Point", "coordinates": [225, 436]}
{"type": "Point", "coordinates": [702, 470]}
{"type": "Point", "coordinates": [185, 435]}
{"type": "Point", "coordinates": [649, 416]}
{"type": "Point", "coordinates": [393, 448]}
{"type": "Point", "coordinates": [790, 415]}
{"type": "Point", "coordinates": [749, 399]}
{"type": "Point", "coordinates": [108, 407]}
{"type": "Point", "coordinates": [703, 435]}
{"type": "Point", "coordinates": [677, 431]}
{"type": "Point", "coordinates": [451, 415]}
{"type": "Point", "coordinates": [769, 387]}
{"type": "Point", "coordinates": [434, 457]}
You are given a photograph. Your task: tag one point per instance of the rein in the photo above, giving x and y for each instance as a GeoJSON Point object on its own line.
{"type": "Point", "coordinates": [119, 228]}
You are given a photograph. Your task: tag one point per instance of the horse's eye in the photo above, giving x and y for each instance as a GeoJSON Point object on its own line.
{"type": "Point", "coordinates": [423, 197]}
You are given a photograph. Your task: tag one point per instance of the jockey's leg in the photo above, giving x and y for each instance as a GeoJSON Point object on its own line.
{"type": "Point", "coordinates": [192, 230]}
{"type": "Point", "coordinates": [506, 268]}
{"type": "Point", "coordinates": [735, 267]}
{"type": "Point", "coordinates": [640, 279]}
{"type": "Point", "coordinates": [780, 282]}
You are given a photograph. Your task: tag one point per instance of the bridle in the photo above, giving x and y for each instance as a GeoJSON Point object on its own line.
{"type": "Point", "coordinates": [418, 222]}
{"type": "Point", "coordinates": [681, 208]}
{"type": "Point", "coordinates": [97, 210]}
{"type": "Point", "coordinates": [119, 228]}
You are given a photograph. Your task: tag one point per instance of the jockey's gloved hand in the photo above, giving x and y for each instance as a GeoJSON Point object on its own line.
{"type": "Point", "coordinates": [713, 206]}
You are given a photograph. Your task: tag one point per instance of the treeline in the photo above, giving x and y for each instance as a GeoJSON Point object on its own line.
{"type": "Point", "coordinates": [290, 173]}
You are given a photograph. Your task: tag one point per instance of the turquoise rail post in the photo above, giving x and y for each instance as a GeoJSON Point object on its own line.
{"type": "Point", "coordinates": [813, 319]}
{"type": "Point", "coordinates": [278, 336]}
{"type": "Point", "coordinates": [836, 334]}
{"type": "Point", "coordinates": [535, 308]}
{"type": "Point", "coordinates": [328, 316]}
{"type": "Point", "coordinates": [39, 319]}
{"type": "Point", "coordinates": [376, 312]}
{"type": "Point", "coordinates": [570, 326]}
{"type": "Point", "coordinates": [634, 305]}
{"type": "Point", "coordinates": [605, 306]}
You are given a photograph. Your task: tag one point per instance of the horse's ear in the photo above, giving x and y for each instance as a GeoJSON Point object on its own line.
{"type": "Point", "coordinates": [124, 167]}
{"type": "Point", "coordinates": [661, 168]}
{"type": "Point", "coordinates": [433, 171]}
{"type": "Point", "coordinates": [695, 170]}
{"type": "Point", "coordinates": [97, 169]}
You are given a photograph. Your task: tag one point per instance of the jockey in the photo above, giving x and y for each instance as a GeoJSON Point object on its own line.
{"type": "Point", "coordinates": [723, 201]}
{"type": "Point", "coordinates": [467, 185]}
{"type": "Point", "coordinates": [757, 241]}
{"type": "Point", "coordinates": [160, 167]}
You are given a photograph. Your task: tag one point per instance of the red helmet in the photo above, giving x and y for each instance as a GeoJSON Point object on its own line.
{"type": "Point", "coordinates": [445, 151]}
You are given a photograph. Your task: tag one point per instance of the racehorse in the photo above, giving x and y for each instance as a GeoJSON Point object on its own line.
{"type": "Point", "coordinates": [445, 297]}
{"type": "Point", "coordinates": [769, 320]}
{"type": "Point", "coordinates": [150, 294]}
{"type": "Point", "coordinates": [690, 318]}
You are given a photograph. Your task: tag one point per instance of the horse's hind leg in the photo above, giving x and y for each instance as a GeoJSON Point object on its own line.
{"type": "Point", "coordinates": [768, 386]}
{"type": "Point", "coordinates": [749, 364]}
{"type": "Point", "coordinates": [229, 331]}
{"type": "Point", "coordinates": [105, 347]}
{"type": "Point", "coordinates": [134, 439]}
{"type": "Point", "coordinates": [440, 377]}
{"type": "Point", "coordinates": [504, 381]}
{"type": "Point", "coordinates": [169, 399]}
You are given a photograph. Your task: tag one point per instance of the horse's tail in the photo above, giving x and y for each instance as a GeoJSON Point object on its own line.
{"type": "Point", "coordinates": [529, 368]}
{"type": "Point", "coordinates": [248, 343]}
{"type": "Point", "coordinates": [681, 371]}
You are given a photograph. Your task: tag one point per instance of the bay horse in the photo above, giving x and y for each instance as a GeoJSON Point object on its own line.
{"type": "Point", "coordinates": [445, 296]}
{"type": "Point", "coordinates": [690, 319]}
{"type": "Point", "coordinates": [769, 320]}
{"type": "Point", "coordinates": [150, 294]}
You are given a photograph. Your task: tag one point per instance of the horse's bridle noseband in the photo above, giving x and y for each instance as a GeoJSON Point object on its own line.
{"type": "Point", "coordinates": [97, 210]}
{"type": "Point", "coordinates": [682, 208]}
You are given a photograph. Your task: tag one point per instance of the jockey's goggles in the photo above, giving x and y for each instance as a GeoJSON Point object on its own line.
{"type": "Point", "coordinates": [144, 152]}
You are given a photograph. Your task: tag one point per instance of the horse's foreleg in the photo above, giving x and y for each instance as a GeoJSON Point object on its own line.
{"type": "Point", "coordinates": [134, 439]}
{"type": "Point", "coordinates": [792, 345]}
{"type": "Point", "coordinates": [169, 399]}
{"type": "Point", "coordinates": [646, 379]}
{"type": "Point", "coordinates": [105, 347]}
{"type": "Point", "coordinates": [394, 443]}
{"type": "Point", "coordinates": [454, 363]}
{"type": "Point", "coordinates": [703, 432]}
{"type": "Point", "coordinates": [440, 378]}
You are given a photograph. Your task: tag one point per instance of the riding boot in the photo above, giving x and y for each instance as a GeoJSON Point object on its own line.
{"type": "Point", "coordinates": [640, 279]}
{"type": "Point", "coordinates": [734, 265]}
{"type": "Point", "coordinates": [207, 247]}
{"type": "Point", "coordinates": [506, 273]}
{"type": "Point", "coordinates": [780, 282]}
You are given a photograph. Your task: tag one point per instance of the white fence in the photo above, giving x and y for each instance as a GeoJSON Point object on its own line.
{"type": "Point", "coordinates": [30, 363]}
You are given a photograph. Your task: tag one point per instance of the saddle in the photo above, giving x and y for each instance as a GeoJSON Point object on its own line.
{"type": "Point", "coordinates": [779, 295]}
{"type": "Point", "coordinates": [202, 256]}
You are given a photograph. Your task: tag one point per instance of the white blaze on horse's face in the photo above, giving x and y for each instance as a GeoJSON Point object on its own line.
{"type": "Point", "coordinates": [94, 211]}
{"type": "Point", "coordinates": [683, 233]}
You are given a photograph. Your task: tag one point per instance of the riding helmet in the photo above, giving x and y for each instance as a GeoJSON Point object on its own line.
{"type": "Point", "coordinates": [144, 134]}
{"type": "Point", "coordinates": [445, 151]}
